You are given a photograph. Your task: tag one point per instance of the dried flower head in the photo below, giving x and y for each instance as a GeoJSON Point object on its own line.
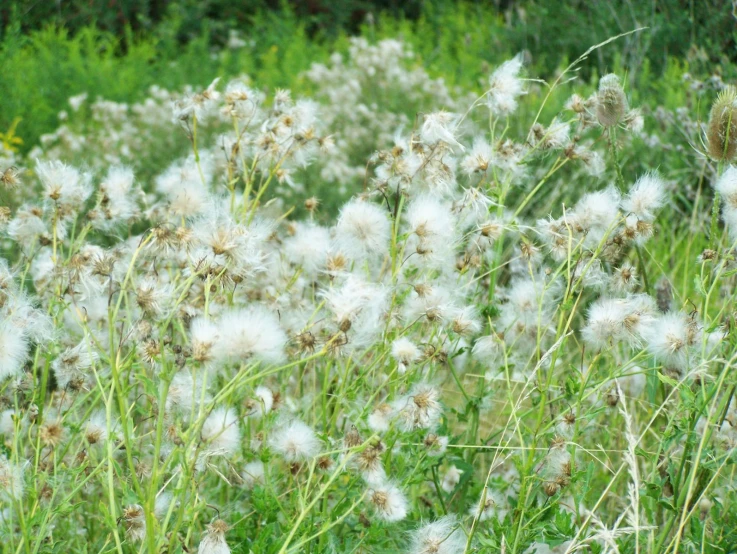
{"type": "Point", "coordinates": [721, 131]}
{"type": "Point", "coordinates": [213, 542]}
{"type": "Point", "coordinates": [611, 102]}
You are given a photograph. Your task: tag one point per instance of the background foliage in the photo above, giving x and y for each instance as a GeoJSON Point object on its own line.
{"type": "Point", "coordinates": [50, 51]}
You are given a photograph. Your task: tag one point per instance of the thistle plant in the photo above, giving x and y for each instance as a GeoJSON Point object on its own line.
{"type": "Point", "coordinates": [493, 345]}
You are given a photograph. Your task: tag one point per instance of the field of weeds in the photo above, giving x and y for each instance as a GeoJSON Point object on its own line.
{"type": "Point", "coordinates": [383, 314]}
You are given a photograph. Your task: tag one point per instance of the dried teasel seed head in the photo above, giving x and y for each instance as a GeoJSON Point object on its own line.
{"type": "Point", "coordinates": [721, 132]}
{"type": "Point", "coordinates": [611, 103]}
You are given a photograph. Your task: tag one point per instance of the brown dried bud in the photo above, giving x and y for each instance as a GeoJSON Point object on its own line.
{"type": "Point", "coordinates": [551, 488]}
{"type": "Point", "coordinates": [612, 397]}
{"type": "Point", "coordinates": [311, 204]}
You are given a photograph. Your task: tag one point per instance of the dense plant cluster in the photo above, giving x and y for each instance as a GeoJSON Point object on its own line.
{"type": "Point", "coordinates": [495, 343]}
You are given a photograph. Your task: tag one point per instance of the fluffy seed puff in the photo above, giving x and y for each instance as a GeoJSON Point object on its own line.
{"type": "Point", "coordinates": [205, 336]}
{"type": "Point", "coordinates": [612, 320]}
{"type": "Point", "coordinates": [726, 186]}
{"type": "Point", "coordinates": [442, 536]}
{"type": "Point", "coordinates": [645, 197]}
{"type": "Point", "coordinates": [253, 474]}
{"type": "Point", "coordinates": [134, 520]}
{"type": "Point", "coordinates": [308, 248]}
{"type": "Point", "coordinates": [251, 333]}
{"type": "Point", "coordinates": [432, 228]}
{"type": "Point", "coordinates": [261, 403]}
{"type": "Point", "coordinates": [11, 480]}
{"type": "Point", "coordinates": [380, 419]}
{"type": "Point", "coordinates": [487, 505]}
{"type": "Point", "coordinates": [505, 86]}
{"type": "Point", "coordinates": [96, 429]}
{"type": "Point", "coordinates": [363, 231]}
{"type": "Point", "coordinates": [221, 433]}
{"type": "Point", "coordinates": [295, 441]}
{"type": "Point", "coordinates": [421, 409]}
{"type": "Point", "coordinates": [14, 347]}
{"type": "Point", "coordinates": [64, 186]}
{"type": "Point", "coordinates": [389, 502]}
{"type": "Point", "coordinates": [405, 352]}
{"type": "Point", "coordinates": [671, 338]}
{"type": "Point", "coordinates": [213, 542]}
{"type": "Point", "coordinates": [117, 199]}
{"type": "Point", "coordinates": [439, 127]}
{"type": "Point", "coordinates": [451, 479]}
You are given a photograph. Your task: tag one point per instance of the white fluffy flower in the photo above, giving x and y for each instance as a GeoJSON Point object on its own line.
{"type": "Point", "coordinates": [486, 506]}
{"type": "Point", "coordinates": [480, 158]}
{"type": "Point", "coordinates": [389, 502]}
{"type": "Point", "coordinates": [119, 198]}
{"type": "Point", "coordinates": [420, 409]}
{"type": "Point", "coordinates": [405, 351]}
{"type": "Point", "coordinates": [251, 333]}
{"type": "Point", "coordinates": [11, 480]}
{"type": "Point", "coordinates": [451, 479]}
{"type": "Point", "coordinates": [505, 86]}
{"type": "Point", "coordinates": [253, 474]}
{"type": "Point", "coordinates": [262, 403]}
{"type": "Point", "coordinates": [442, 536]}
{"type": "Point", "coordinates": [205, 336]}
{"type": "Point", "coordinates": [670, 339]}
{"type": "Point", "coordinates": [612, 320]}
{"type": "Point", "coordinates": [437, 127]}
{"type": "Point", "coordinates": [13, 349]}
{"type": "Point", "coordinates": [63, 185]}
{"type": "Point", "coordinates": [363, 230]}
{"type": "Point", "coordinates": [185, 393]}
{"type": "Point", "coordinates": [726, 185]}
{"type": "Point", "coordinates": [95, 429]}
{"type": "Point", "coordinates": [308, 247]}
{"type": "Point", "coordinates": [295, 441]}
{"type": "Point", "coordinates": [214, 540]}
{"type": "Point", "coordinates": [221, 432]}
{"type": "Point", "coordinates": [598, 210]}
{"type": "Point", "coordinates": [380, 418]}
{"type": "Point", "coordinates": [645, 197]}
{"type": "Point", "coordinates": [182, 185]}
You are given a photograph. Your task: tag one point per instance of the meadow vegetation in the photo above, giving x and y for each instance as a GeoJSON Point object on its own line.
{"type": "Point", "coordinates": [427, 301]}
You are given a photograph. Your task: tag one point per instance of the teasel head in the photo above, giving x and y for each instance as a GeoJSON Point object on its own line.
{"type": "Point", "coordinates": [611, 103]}
{"type": "Point", "coordinates": [721, 131]}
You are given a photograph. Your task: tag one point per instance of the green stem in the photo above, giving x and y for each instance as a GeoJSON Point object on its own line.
{"type": "Point", "coordinates": [615, 157]}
